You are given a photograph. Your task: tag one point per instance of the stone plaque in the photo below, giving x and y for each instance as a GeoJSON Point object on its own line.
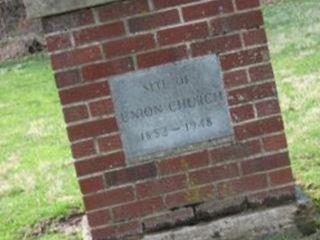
{"type": "Point", "coordinates": [171, 106]}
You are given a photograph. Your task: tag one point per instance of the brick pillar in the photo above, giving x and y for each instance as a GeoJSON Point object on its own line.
{"type": "Point", "coordinates": [88, 46]}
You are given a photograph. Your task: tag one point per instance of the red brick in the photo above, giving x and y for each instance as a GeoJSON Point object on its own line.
{"type": "Point", "coordinates": [242, 113]}
{"type": "Point", "coordinates": [109, 198]}
{"type": "Point", "coordinates": [131, 174]}
{"type": "Point", "coordinates": [129, 45]}
{"type": "Point", "coordinates": [99, 218]}
{"type": "Point", "coordinates": [236, 151]}
{"type": "Point", "coordinates": [122, 9]}
{"type": "Point", "coordinates": [257, 36]}
{"type": "Point", "coordinates": [281, 177]}
{"type": "Point", "coordinates": [252, 93]}
{"type": "Point", "coordinates": [265, 163]}
{"type": "Point", "coordinates": [106, 69]}
{"type": "Point", "coordinates": [214, 174]}
{"type": "Point", "coordinates": [183, 163]}
{"type": "Point", "coordinates": [110, 143]}
{"type": "Point", "coordinates": [216, 45]}
{"type": "Point", "coordinates": [207, 9]}
{"type": "Point", "coordinates": [101, 233]}
{"type": "Point", "coordinates": [236, 22]}
{"type": "Point", "coordinates": [275, 143]}
{"type": "Point", "coordinates": [248, 130]}
{"type": "Point", "coordinates": [245, 57]}
{"type": "Point", "coordinates": [75, 57]}
{"type": "Point", "coordinates": [73, 114]}
{"type": "Point", "coordinates": [169, 3]}
{"type": "Point", "coordinates": [92, 129]}
{"type": "Point", "coordinates": [246, 4]}
{"type": "Point", "coordinates": [99, 164]}
{"type": "Point", "coordinates": [83, 149]}
{"type": "Point", "coordinates": [169, 219]}
{"type": "Point", "coordinates": [272, 124]}
{"type": "Point", "coordinates": [68, 78]}
{"type": "Point", "coordinates": [264, 90]}
{"type": "Point", "coordinates": [271, 198]}
{"type": "Point", "coordinates": [138, 209]}
{"type": "Point", "coordinates": [161, 57]}
{"type": "Point", "coordinates": [242, 95]}
{"type": "Point", "coordinates": [220, 207]}
{"type": "Point", "coordinates": [160, 186]}
{"type": "Point", "coordinates": [256, 128]}
{"type": "Point", "coordinates": [183, 33]}
{"type": "Point", "coordinates": [283, 193]}
{"type": "Point", "coordinates": [268, 107]}
{"type": "Point", "coordinates": [58, 42]}
{"type": "Point", "coordinates": [99, 33]}
{"type": "Point", "coordinates": [243, 185]}
{"type": "Point", "coordinates": [235, 78]}
{"type": "Point", "coordinates": [147, 22]}
{"type": "Point", "coordinates": [261, 73]}
{"type": "Point", "coordinates": [129, 229]}
{"type": "Point", "coordinates": [83, 93]}
{"type": "Point", "coordinates": [67, 21]}
{"type": "Point", "coordinates": [257, 199]}
{"type": "Point", "coordinates": [101, 107]}
{"type": "Point", "coordinates": [91, 184]}
{"type": "Point", "coordinates": [190, 196]}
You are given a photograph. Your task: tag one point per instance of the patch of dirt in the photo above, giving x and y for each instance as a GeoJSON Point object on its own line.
{"type": "Point", "coordinates": [313, 237]}
{"type": "Point", "coordinates": [68, 226]}
{"type": "Point", "coordinates": [20, 46]}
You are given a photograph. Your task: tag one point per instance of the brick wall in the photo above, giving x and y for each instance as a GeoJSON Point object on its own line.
{"type": "Point", "coordinates": [90, 45]}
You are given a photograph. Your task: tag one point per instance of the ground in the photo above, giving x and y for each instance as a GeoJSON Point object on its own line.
{"type": "Point", "coordinates": [293, 28]}
{"type": "Point", "coordinates": [294, 33]}
{"type": "Point", "coordinates": [37, 180]}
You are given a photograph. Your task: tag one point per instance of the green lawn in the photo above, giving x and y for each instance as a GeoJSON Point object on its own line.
{"type": "Point", "coordinates": [37, 180]}
{"type": "Point", "coordinates": [293, 28]}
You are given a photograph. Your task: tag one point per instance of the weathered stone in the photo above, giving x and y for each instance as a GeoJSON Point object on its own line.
{"type": "Point", "coordinates": [220, 207]}
{"type": "Point", "coordinates": [171, 106]}
{"type": "Point", "coordinates": [85, 229]}
{"type": "Point", "coordinates": [42, 8]}
{"type": "Point", "coordinates": [252, 226]}
{"type": "Point", "coordinates": [306, 214]}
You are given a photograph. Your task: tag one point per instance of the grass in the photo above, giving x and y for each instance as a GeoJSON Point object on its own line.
{"type": "Point", "coordinates": [37, 180]}
{"type": "Point", "coordinates": [293, 28]}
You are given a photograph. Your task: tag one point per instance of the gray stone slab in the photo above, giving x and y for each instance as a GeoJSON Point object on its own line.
{"type": "Point", "coordinates": [42, 8]}
{"type": "Point", "coordinates": [251, 226]}
{"type": "Point", "coordinates": [171, 106]}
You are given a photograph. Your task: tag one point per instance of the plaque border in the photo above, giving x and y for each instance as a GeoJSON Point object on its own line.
{"type": "Point", "coordinates": [178, 150]}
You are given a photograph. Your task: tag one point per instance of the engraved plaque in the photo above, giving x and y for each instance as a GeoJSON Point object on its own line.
{"type": "Point", "coordinates": [171, 106]}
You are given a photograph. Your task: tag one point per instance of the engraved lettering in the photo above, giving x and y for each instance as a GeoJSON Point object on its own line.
{"type": "Point", "coordinates": [191, 125]}
{"type": "Point", "coordinates": [155, 86]}
{"type": "Point", "coordinates": [173, 106]}
{"type": "Point", "coordinates": [170, 107]}
{"type": "Point", "coordinates": [124, 117]}
{"type": "Point", "coordinates": [140, 113]}
{"type": "Point", "coordinates": [182, 80]}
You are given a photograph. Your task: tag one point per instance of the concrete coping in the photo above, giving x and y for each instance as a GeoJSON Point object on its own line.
{"type": "Point", "coordinates": [44, 8]}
